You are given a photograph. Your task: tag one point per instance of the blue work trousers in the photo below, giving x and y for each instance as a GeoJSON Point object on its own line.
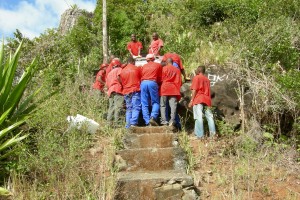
{"type": "Point", "coordinates": [150, 97]}
{"type": "Point", "coordinates": [133, 108]}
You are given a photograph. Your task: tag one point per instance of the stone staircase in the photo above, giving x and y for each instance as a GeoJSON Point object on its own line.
{"type": "Point", "coordinates": [152, 166]}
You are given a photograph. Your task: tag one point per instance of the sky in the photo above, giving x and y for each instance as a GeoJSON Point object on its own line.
{"type": "Point", "coordinates": [33, 17]}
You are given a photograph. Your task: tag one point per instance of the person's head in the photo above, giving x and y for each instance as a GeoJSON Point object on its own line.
{"type": "Point", "coordinates": [200, 69]}
{"type": "Point", "coordinates": [169, 61]}
{"type": "Point", "coordinates": [155, 36]}
{"type": "Point", "coordinates": [163, 63]}
{"type": "Point", "coordinates": [116, 63]}
{"type": "Point", "coordinates": [133, 37]}
{"type": "Point", "coordinates": [103, 66]}
{"type": "Point", "coordinates": [111, 57]}
{"type": "Point", "coordinates": [130, 60]}
{"type": "Point", "coordinates": [150, 57]}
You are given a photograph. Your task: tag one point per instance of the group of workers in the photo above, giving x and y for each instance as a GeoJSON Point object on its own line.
{"type": "Point", "coordinates": [153, 88]}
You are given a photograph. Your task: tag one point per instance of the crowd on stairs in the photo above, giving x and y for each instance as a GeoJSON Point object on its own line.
{"type": "Point", "coordinates": [152, 89]}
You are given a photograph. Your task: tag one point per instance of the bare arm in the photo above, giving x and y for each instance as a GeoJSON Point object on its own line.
{"type": "Point", "coordinates": [192, 98]}
{"type": "Point", "coordinates": [119, 79]}
{"type": "Point", "coordinates": [184, 75]}
{"type": "Point", "coordinates": [100, 80]}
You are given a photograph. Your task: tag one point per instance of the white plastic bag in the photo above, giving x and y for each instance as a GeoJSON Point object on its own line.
{"type": "Point", "coordinates": [80, 121]}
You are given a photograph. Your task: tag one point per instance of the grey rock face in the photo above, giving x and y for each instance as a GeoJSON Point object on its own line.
{"type": "Point", "coordinates": [69, 18]}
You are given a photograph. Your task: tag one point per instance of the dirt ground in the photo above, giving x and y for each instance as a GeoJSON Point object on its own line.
{"type": "Point", "coordinates": [221, 173]}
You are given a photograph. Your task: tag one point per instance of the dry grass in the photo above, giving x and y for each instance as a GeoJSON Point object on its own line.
{"type": "Point", "coordinates": [224, 173]}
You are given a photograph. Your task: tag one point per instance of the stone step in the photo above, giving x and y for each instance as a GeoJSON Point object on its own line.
{"type": "Point", "coordinates": [151, 159]}
{"type": "Point", "coordinates": [152, 129]}
{"type": "Point", "coordinates": [147, 140]}
{"type": "Point", "coordinates": [168, 184]}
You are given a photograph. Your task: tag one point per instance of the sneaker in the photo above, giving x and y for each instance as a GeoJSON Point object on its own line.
{"type": "Point", "coordinates": [172, 124]}
{"type": "Point", "coordinates": [152, 122]}
{"type": "Point", "coordinates": [164, 124]}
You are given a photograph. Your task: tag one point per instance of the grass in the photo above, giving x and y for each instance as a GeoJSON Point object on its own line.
{"type": "Point", "coordinates": [56, 164]}
{"type": "Point", "coordinates": [60, 164]}
{"type": "Point", "coordinates": [244, 172]}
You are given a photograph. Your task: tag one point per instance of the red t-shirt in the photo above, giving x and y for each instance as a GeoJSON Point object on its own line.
{"type": "Point", "coordinates": [155, 44]}
{"type": "Point", "coordinates": [201, 84]}
{"type": "Point", "coordinates": [171, 81]}
{"type": "Point", "coordinates": [134, 47]}
{"type": "Point", "coordinates": [176, 58]}
{"type": "Point", "coordinates": [108, 69]}
{"type": "Point", "coordinates": [151, 71]}
{"type": "Point", "coordinates": [130, 78]}
{"type": "Point", "coordinates": [97, 84]}
{"type": "Point", "coordinates": [112, 82]}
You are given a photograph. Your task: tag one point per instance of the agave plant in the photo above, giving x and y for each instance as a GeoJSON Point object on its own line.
{"type": "Point", "coordinates": [13, 111]}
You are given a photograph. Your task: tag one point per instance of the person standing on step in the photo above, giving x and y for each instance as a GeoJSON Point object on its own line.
{"type": "Point", "coordinates": [134, 47]}
{"type": "Point", "coordinates": [114, 93]}
{"type": "Point", "coordinates": [201, 103]}
{"type": "Point", "coordinates": [177, 62]}
{"type": "Point", "coordinates": [99, 83]}
{"type": "Point", "coordinates": [169, 91]}
{"type": "Point", "coordinates": [109, 68]}
{"type": "Point", "coordinates": [150, 77]}
{"type": "Point", "coordinates": [130, 79]}
{"type": "Point", "coordinates": [155, 45]}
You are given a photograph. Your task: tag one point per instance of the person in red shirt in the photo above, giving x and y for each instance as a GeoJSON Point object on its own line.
{"type": "Point", "coordinates": [169, 91]}
{"type": "Point", "coordinates": [109, 68]}
{"type": "Point", "coordinates": [150, 77]}
{"type": "Point", "coordinates": [114, 93]}
{"type": "Point", "coordinates": [130, 79]}
{"type": "Point", "coordinates": [99, 83]}
{"type": "Point", "coordinates": [155, 45]}
{"type": "Point", "coordinates": [134, 47]}
{"type": "Point", "coordinates": [201, 100]}
{"type": "Point", "coordinates": [177, 62]}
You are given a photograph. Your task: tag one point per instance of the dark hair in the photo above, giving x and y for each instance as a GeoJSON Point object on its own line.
{"type": "Point", "coordinates": [169, 60]}
{"type": "Point", "coordinates": [200, 69]}
{"type": "Point", "coordinates": [130, 60]}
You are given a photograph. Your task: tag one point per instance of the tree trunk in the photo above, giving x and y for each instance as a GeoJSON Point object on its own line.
{"type": "Point", "coordinates": [104, 26]}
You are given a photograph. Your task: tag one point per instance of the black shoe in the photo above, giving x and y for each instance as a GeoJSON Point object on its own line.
{"type": "Point", "coordinates": [152, 122]}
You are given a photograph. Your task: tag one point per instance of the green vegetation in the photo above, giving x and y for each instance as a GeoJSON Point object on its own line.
{"type": "Point", "coordinates": [255, 40]}
{"type": "Point", "coordinates": [13, 111]}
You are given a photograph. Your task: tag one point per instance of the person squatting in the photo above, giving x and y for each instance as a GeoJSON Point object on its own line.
{"type": "Point", "coordinates": [153, 89]}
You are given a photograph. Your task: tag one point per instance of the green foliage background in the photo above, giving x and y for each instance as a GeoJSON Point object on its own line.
{"type": "Point", "coordinates": [257, 40]}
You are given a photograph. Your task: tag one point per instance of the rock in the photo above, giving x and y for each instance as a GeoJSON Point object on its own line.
{"type": "Point", "coordinates": [119, 162]}
{"type": "Point", "coordinates": [169, 192]}
{"type": "Point", "coordinates": [190, 195]}
{"type": "Point", "coordinates": [69, 18]}
{"type": "Point", "coordinates": [210, 173]}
